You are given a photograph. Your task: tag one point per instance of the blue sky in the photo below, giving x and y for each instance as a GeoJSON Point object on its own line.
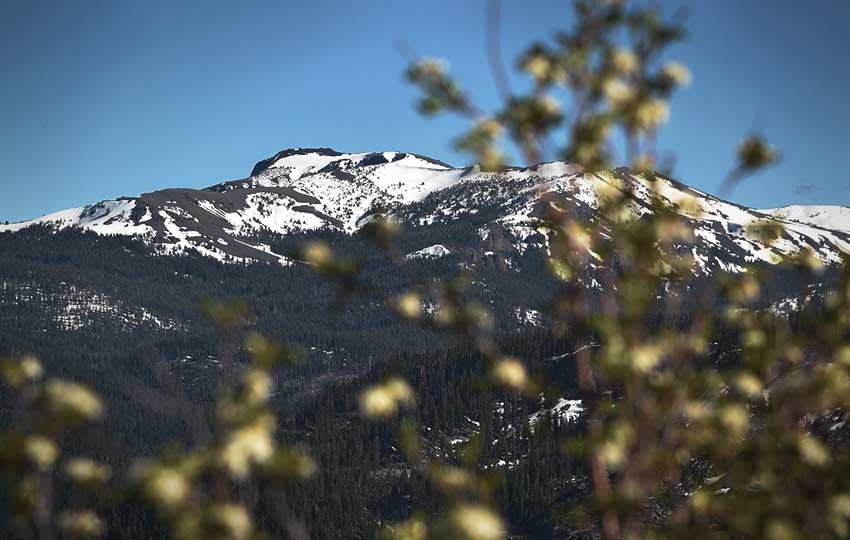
{"type": "Point", "coordinates": [101, 98]}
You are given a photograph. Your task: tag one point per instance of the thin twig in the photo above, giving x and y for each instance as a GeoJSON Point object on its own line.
{"type": "Point", "coordinates": [494, 49]}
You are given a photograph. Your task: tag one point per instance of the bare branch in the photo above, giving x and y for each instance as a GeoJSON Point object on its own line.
{"type": "Point", "coordinates": [494, 49]}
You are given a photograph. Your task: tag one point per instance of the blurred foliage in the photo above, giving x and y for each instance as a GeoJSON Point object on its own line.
{"type": "Point", "coordinates": [751, 441]}
{"type": "Point", "coordinates": [201, 493]}
{"type": "Point", "coordinates": [656, 405]}
{"type": "Point", "coordinates": [30, 451]}
{"type": "Point", "coordinates": [198, 493]}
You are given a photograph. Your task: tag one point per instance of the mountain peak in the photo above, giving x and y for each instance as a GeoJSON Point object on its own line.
{"type": "Point", "coordinates": [264, 164]}
{"type": "Point", "coordinates": [317, 158]}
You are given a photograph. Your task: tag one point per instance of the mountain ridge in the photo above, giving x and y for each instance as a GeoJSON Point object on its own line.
{"type": "Point", "coordinates": [309, 189]}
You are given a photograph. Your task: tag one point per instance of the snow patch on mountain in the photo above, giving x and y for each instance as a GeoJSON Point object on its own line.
{"type": "Point", "coordinates": [565, 410]}
{"type": "Point", "coordinates": [110, 217]}
{"type": "Point", "coordinates": [528, 317]}
{"type": "Point", "coordinates": [826, 216]}
{"type": "Point", "coordinates": [431, 252]}
{"type": "Point", "coordinates": [80, 307]}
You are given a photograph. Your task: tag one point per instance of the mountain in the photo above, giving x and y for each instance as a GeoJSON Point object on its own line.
{"type": "Point", "coordinates": [303, 190]}
{"type": "Point", "coordinates": [108, 295]}
{"type": "Point", "coordinates": [295, 190]}
{"type": "Point", "coordinates": [824, 216]}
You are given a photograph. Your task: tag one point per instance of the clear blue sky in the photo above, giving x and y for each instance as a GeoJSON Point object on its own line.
{"type": "Point", "coordinates": [103, 98]}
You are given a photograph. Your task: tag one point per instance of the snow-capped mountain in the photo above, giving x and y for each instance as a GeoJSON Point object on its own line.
{"type": "Point", "coordinates": [825, 216]}
{"type": "Point", "coordinates": [300, 190]}
{"type": "Point", "coordinates": [295, 190]}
